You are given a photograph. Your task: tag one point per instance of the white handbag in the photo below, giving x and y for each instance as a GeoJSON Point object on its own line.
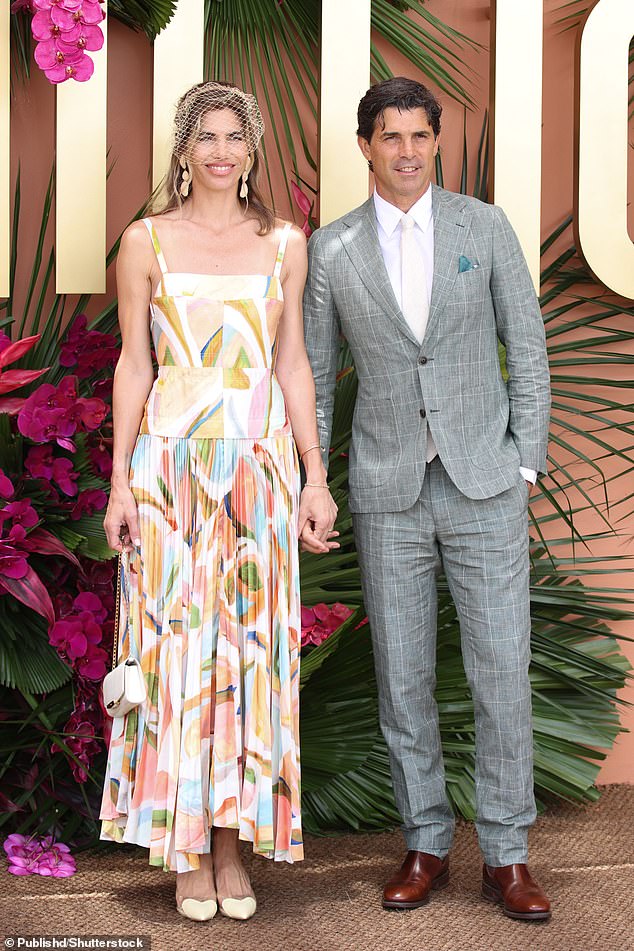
{"type": "Point", "coordinates": [124, 688]}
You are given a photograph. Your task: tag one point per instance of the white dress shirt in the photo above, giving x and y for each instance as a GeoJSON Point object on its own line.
{"type": "Point", "coordinates": [388, 218]}
{"type": "Point", "coordinates": [389, 221]}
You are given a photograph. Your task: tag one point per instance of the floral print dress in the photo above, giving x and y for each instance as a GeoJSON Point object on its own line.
{"type": "Point", "coordinates": [210, 600]}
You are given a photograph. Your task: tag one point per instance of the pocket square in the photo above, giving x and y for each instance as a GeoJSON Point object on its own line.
{"type": "Point", "coordinates": [464, 264]}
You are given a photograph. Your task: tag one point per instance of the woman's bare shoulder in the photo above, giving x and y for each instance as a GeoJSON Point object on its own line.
{"type": "Point", "coordinates": [296, 237]}
{"type": "Point", "coordinates": [135, 241]}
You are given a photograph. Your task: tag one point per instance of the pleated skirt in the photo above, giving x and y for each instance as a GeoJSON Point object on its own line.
{"type": "Point", "coordinates": [211, 608]}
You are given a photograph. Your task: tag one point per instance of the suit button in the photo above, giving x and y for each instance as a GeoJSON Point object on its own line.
{"type": "Point", "coordinates": [423, 413]}
{"type": "Point", "coordinates": [422, 361]}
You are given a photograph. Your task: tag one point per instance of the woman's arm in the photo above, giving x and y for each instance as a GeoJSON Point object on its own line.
{"type": "Point", "coordinates": [133, 378]}
{"type": "Point", "coordinates": [317, 511]}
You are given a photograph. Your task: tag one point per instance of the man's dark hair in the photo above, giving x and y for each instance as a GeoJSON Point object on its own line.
{"type": "Point", "coordinates": [397, 93]}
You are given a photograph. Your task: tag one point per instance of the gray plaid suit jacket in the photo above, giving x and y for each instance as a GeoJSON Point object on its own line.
{"type": "Point", "coordinates": [484, 428]}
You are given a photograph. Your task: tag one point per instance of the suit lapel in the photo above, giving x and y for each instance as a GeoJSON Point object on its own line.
{"type": "Point", "coordinates": [361, 243]}
{"type": "Point", "coordinates": [452, 217]}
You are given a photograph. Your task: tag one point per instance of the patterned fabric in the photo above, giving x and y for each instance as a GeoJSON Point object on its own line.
{"type": "Point", "coordinates": [210, 604]}
{"type": "Point", "coordinates": [483, 544]}
{"type": "Point", "coordinates": [451, 383]}
{"type": "Point", "coordinates": [215, 342]}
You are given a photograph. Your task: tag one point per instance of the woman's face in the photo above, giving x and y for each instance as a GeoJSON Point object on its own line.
{"type": "Point", "coordinates": [218, 153]}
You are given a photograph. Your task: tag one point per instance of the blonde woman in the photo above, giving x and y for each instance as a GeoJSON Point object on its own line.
{"type": "Point", "coordinates": [205, 504]}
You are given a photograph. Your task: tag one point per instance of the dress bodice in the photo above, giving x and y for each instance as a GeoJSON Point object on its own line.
{"type": "Point", "coordinates": [215, 338]}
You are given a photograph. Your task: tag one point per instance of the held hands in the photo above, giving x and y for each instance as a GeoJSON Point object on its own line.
{"type": "Point", "coordinates": [122, 520]}
{"type": "Point", "coordinates": [317, 514]}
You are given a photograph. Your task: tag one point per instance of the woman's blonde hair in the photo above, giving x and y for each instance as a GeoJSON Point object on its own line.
{"type": "Point", "coordinates": [191, 110]}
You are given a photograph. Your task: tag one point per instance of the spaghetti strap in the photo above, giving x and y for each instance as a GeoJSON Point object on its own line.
{"type": "Point", "coordinates": [279, 260]}
{"type": "Point", "coordinates": [157, 247]}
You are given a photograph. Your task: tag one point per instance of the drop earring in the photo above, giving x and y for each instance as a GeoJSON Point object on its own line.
{"type": "Point", "coordinates": [186, 179]}
{"type": "Point", "coordinates": [244, 188]}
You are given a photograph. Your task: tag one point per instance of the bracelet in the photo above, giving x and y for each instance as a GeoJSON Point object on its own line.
{"type": "Point", "coordinates": [316, 485]}
{"type": "Point", "coordinates": [316, 446]}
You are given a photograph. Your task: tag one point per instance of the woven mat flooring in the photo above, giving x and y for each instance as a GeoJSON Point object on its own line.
{"type": "Point", "coordinates": [584, 857]}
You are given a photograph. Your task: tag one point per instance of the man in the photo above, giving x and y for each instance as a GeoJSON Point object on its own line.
{"type": "Point", "coordinates": [422, 283]}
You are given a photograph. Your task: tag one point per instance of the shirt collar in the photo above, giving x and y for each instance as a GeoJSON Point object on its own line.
{"type": "Point", "coordinates": [389, 216]}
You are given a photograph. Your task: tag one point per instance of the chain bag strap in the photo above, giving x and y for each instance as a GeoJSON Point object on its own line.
{"type": "Point", "coordinates": [124, 688]}
{"type": "Point", "coordinates": [117, 609]}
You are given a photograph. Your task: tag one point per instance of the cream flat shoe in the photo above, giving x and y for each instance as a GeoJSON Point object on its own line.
{"type": "Point", "coordinates": [238, 908]}
{"type": "Point", "coordinates": [197, 910]}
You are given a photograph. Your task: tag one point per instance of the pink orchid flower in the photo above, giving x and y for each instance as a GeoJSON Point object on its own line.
{"type": "Point", "coordinates": [42, 421]}
{"type": "Point", "coordinates": [71, 635]}
{"type": "Point", "coordinates": [38, 856]}
{"type": "Point", "coordinates": [65, 29]}
{"type": "Point", "coordinates": [22, 513]}
{"type": "Point", "coordinates": [88, 502]}
{"type": "Point", "coordinates": [54, 414]}
{"type": "Point", "coordinates": [94, 663]}
{"type": "Point", "coordinates": [92, 412]}
{"type": "Point", "coordinates": [101, 459]}
{"type": "Point", "coordinates": [82, 732]}
{"type": "Point", "coordinates": [38, 462]}
{"type": "Point", "coordinates": [103, 388]}
{"type": "Point", "coordinates": [13, 563]}
{"type": "Point", "coordinates": [66, 18]}
{"type": "Point", "coordinates": [65, 476]}
{"type": "Point", "coordinates": [48, 55]}
{"type": "Point", "coordinates": [87, 601]}
{"type": "Point", "coordinates": [81, 71]}
{"type": "Point", "coordinates": [96, 574]}
{"type": "Point", "coordinates": [50, 4]}
{"type": "Point", "coordinates": [77, 635]}
{"type": "Point", "coordinates": [322, 620]}
{"type": "Point", "coordinates": [7, 489]}
{"type": "Point", "coordinates": [43, 28]}
{"type": "Point", "coordinates": [89, 350]}
{"type": "Point", "coordinates": [87, 37]}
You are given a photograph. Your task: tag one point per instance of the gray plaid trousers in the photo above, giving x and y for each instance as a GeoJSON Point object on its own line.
{"type": "Point", "coordinates": [483, 547]}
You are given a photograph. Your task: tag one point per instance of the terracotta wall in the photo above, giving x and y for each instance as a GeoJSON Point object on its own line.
{"type": "Point", "coordinates": [129, 83]}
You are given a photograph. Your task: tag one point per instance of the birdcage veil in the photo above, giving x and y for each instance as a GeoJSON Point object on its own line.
{"type": "Point", "coordinates": [203, 98]}
{"type": "Point", "coordinates": [193, 143]}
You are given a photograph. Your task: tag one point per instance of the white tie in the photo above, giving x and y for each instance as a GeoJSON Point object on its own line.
{"type": "Point", "coordinates": [415, 302]}
{"type": "Point", "coordinates": [414, 297]}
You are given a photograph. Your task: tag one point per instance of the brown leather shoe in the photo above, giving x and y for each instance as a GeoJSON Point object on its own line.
{"type": "Point", "coordinates": [417, 876]}
{"type": "Point", "coordinates": [519, 894]}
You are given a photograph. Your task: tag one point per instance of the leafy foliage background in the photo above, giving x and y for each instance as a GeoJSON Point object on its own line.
{"type": "Point", "coordinates": [577, 666]}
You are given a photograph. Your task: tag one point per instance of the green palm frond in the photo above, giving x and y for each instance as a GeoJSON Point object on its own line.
{"type": "Point", "coordinates": [426, 42]}
{"type": "Point", "coordinates": [150, 16]}
{"type": "Point", "coordinates": [574, 17]}
{"type": "Point", "coordinates": [20, 46]}
{"type": "Point", "coordinates": [38, 782]}
{"type": "Point", "coordinates": [588, 338]}
{"type": "Point", "coordinates": [577, 668]}
{"type": "Point", "coordinates": [28, 663]}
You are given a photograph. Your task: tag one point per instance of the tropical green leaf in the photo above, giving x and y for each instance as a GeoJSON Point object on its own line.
{"type": "Point", "coordinates": [150, 16]}
{"type": "Point", "coordinates": [27, 661]}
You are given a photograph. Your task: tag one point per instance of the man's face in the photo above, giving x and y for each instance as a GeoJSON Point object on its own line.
{"type": "Point", "coordinates": [402, 151]}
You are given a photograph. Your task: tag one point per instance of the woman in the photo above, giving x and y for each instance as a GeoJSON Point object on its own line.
{"type": "Point", "coordinates": [205, 499]}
